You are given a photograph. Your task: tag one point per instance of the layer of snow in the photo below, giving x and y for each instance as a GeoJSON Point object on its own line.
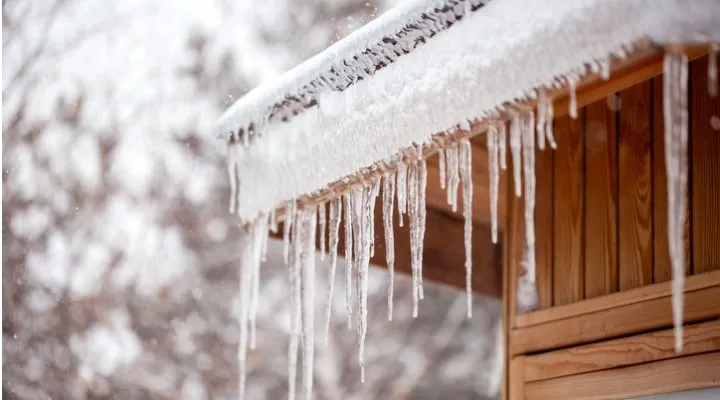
{"type": "Point", "coordinates": [496, 54]}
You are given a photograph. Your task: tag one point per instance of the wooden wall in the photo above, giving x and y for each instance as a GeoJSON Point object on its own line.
{"type": "Point", "coordinates": [601, 214]}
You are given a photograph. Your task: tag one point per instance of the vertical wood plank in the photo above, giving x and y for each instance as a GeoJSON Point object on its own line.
{"type": "Point", "coordinates": [635, 190]}
{"type": "Point", "coordinates": [705, 130]}
{"type": "Point", "coordinates": [568, 232]}
{"type": "Point", "coordinates": [601, 198]}
{"type": "Point", "coordinates": [517, 378]}
{"type": "Point", "coordinates": [544, 226]}
{"type": "Point", "coordinates": [661, 258]}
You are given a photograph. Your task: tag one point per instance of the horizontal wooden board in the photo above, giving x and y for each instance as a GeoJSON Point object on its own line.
{"type": "Point", "coordinates": [654, 346]}
{"type": "Point", "coordinates": [619, 299]}
{"type": "Point", "coordinates": [614, 322]}
{"type": "Point", "coordinates": [667, 376]}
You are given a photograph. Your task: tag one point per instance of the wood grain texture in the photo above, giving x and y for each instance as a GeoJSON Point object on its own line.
{"type": "Point", "coordinates": [568, 264]}
{"type": "Point", "coordinates": [619, 299]}
{"type": "Point", "coordinates": [601, 199]}
{"type": "Point", "coordinates": [654, 346]}
{"type": "Point", "coordinates": [662, 270]}
{"type": "Point", "coordinates": [517, 379]}
{"type": "Point", "coordinates": [666, 376]}
{"type": "Point", "coordinates": [635, 190]}
{"type": "Point", "coordinates": [615, 322]}
{"type": "Point", "coordinates": [544, 226]}
{"type": "Point", "coordinates": [705, 171]}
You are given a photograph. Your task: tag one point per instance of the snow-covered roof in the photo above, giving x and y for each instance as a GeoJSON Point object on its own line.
{"type": "Point", "coordinates": [424, 68]}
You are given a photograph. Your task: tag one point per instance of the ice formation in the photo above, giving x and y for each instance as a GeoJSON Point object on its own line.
{"type": "Point", "coordinates": [451, 158]}
{"type": "Point", "coordinates": [572, 88]}
{"type": "Point", "coordinates": [335, 213]}
{"type": "Point", "coordinates": [494, 166]}
{"type": "Point", "coordinates": [348, 205]}
{"type": "Point", "coordinates": [307, 231]}
{"type": "Point", "coordinates": [675, 109]}
{"type": "Point", "coordinates": [516, 150]}
{"type": "Point", "coordinates": [466, 176]}
{"type": "Point", "coordinates": [413, 214]}
{"type": "Point", "coordinates": [388, 197]}
{"type": "Point", "coordinates": [322, 228]}
{"type": "Point", "coordinates": [441, 165]}
{"type": "Point", "coordinates": [528, 152]}
{"type": "Point", "coordinates": [401, 191]}
{"type": "Point", "coordinates": [502, 144]}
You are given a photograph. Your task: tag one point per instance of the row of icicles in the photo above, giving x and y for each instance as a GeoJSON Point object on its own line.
{"type": "Point", "coordinates": [407, 185]}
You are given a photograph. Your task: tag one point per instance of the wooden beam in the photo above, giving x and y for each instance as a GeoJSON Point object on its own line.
{"type": "Point", "coordinates": [660, 345]}
{"type": "Point", "coordinates": [615, 322]}
{"type": "Point", "coordinates": [443, 251]}
{"type": "Point", "coordinates": [619, 299]}
{"type": "Point", "coordinates": [667, 376]}
{"type": "Point", "coordinates": [517, 379]}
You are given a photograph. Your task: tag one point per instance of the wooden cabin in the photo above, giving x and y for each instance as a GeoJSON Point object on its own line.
{"type": "Point", "coordinates": [589, 314]}
{"type": "Point", "coordinates": [602, 327]}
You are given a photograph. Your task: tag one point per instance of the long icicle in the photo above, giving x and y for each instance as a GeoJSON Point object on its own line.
{"type": "Point", "coordinates": [516, 149]}
{"type": "Point", "coordinates": [441, 165]}
{"type": "Point", "coordinates": [675, 105]}
{"type": "Point", "coordinates": [295, 304]}
{"type": "Point", "coordinates": [412, 204]}
{"type": "Point", "coordinates": [713, 69]}
{"type": "Point", "coordinates": [347, 201]}
{"type": "Point", "coordinates": [368, 239]}
{"type": "Point", "coordinates": [451, 157]}
{"type": "Point", "coordinates": [358, 242]}
{"type": "Point", "coordinates": [309, 229]}
{"type": "Point", "coordinates": [422, 216]}
{"type": "Point", "coordinates": [502, 144]}
{"type": "Point", "coordinates": [401, 189]}
{"type": "Point", "coordinates": [245, 278]}
{"type": "Point", "coordinates": [259, 236]}
{"type": "Point", "coordinates": [335, 212]}
{"type": "Point", "coordinates": [466, 176]}
{"type": "Point", "coordinates": [549, 117]}
{"type": "Point", "coordinates": [492, 145]}
{"type": "Point", "coordinates": [528, 144]}
{"type": "Point", "coordinates": [321, 228]}
{"type": "Point", "coordinates": [287, 224]}
{"type": "Point", "coordinates": [388, 197]}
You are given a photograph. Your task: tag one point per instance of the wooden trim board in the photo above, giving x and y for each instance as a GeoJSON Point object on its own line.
{"type": "Point", "coordinates": [667, 376]}
{"type": "Point", "coordinates": [614, 322]}
{"type": "Point", "coordinates": [655, 346]}
{"type": "Point", "coordinates": [619, 299]}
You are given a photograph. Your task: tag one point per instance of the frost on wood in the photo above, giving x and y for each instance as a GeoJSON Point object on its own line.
{"type": "Point", "coordinates": [347, 201]}
{"type": "Point", "coordinates": [321, 229]}
{"type": "Point", "coordinates": [388, 197]}
{"type": "Point", "coordinates": [492, 145]}
{"type": "Point", "coordinates": [528, 152]}
{"type": "Point", "coordinates": [675, 103]}
{"type": "Point", "coordinates": [335, 212]}
{"type": "Point", "coordinates": [516, 149]}
{"type": "Point", "coordinates": [713, 69]}
{"type": "Point", "coordinates": [401, 191]}
{"type": "Point", "coordinates": [466, 176]}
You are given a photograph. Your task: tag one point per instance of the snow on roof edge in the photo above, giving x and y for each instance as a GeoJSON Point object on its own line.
{"type": "Point", "coordinates": [351, 131]}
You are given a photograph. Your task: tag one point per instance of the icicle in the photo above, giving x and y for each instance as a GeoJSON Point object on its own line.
{"type": "Point", "coordinates": [549, 116]}
{"type": "Point", "coordinates": [295, 303]}
{"type": "Point", "coordinates": [347, 200]}
{"type": "Point", "coordinates": [466, 176]}
{"type": "Point", "coordinates": [245, 278]}
{"type": "Point", "coordinates": [441, 164]}
{"type": "Point", "coordinates": [266, 230]}
{"type": "Point", "coordinates": [605, 69]}
{"type": "Point", "coordinates": [370, 194]}
{"type": "Point", "coordinates": [233, 175]}
{"type": "Point", "coordinates": [572, 87]}
{"type": "Point", "coordinates": [542, 113]}
{"type": "Point", "coordinates": [322, 229]}
{"type": "Point", "coordinates": [422, 215]}
{"type": "Point", "coordinates": [335, 212]}
{"type": "Point", "coordinates": [273, 221]}
{"type": "Point", "coordinates": [516, 150]}
{"type": "Point", "coordinates": [287, 224]}
{"type": "Point", "coordinates": [308, 229]}
{"type": "Point", "coordinates": [675, 105]}
{"type": "Point", "coordinates": [259, 240]}
{"type": "Point", "coordinates": [528, 144]}
{"type": "Point", "coordinates": [388, 197]}
{"type": "Point", "coordinates": [375, 192]}
{"type": "Point", "coordinates": [401, 191]}
{"type": "Point", "coordinates": [451, 157]}
{"type": "Point", "coordinates": [713, 69]}
{"type": "Point", "coordinates": [358, 197]}
{"type": "Point", "coordinates": [413, 210]}
{"type": "Point", "coordinates": [492, 145]}
{"type": "Point", "coordinates": [502, 144]}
